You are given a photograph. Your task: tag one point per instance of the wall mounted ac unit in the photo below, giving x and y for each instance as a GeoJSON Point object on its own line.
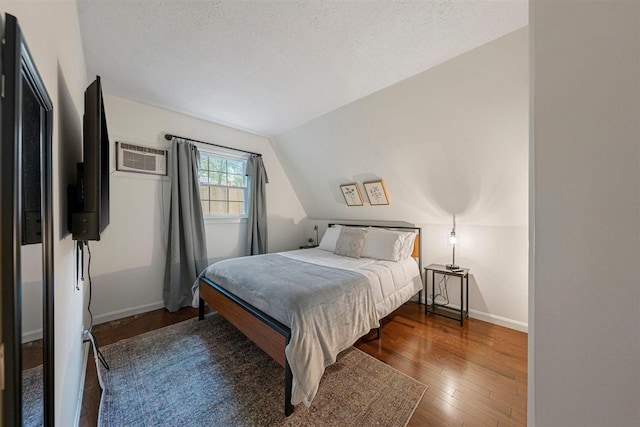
{"type": "Point", "coordinates": [137, 158]}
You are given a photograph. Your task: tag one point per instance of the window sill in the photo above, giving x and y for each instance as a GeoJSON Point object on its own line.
{"type": "Point", "coordinates": [223, 220]}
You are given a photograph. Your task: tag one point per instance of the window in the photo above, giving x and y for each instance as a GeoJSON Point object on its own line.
{"type": "Point", "coordinates": [223, 185]}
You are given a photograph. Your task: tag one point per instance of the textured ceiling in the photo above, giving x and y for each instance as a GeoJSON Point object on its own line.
{"type": "Point", "coordinates": [268, 66]}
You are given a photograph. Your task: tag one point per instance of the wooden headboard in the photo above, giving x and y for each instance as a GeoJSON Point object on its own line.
{"type": "Point", "coordinates": [416, 244]}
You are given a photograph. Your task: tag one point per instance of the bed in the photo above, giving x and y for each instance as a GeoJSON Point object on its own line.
{"type": "Point", "coordinates": [304, 307]}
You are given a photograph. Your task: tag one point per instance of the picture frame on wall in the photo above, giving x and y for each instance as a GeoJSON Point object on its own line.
{"type": "Point", "coordinates": [376, 192]}
{"type": "Point", "coordinates": [352, 195]}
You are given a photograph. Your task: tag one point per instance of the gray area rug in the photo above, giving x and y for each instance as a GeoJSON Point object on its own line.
{"type": "Point", "coordinates": [32, 397]}
{"type": "Point", "coordinates": [206, 373]}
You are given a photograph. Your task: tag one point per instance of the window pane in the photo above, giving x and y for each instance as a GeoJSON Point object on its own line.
{"type": "Point", "coordinates": [218, 193]}
{"type": "Point", "coordinates": [204, 162]}
{"type": "Point", "coordinates": [236, 194]}
{"type": "Point", "coordinates": [203, 177]}
{"type": "Point", "coordinates": [215, 178]}
{"type": "Point", "coordinates": [222, 185]}
{"type": "Point", "coordinates": [236, 207]}
{"type": "Point", "coordinates": [235, 166]}
{"type": "Point", "coordinates": [217, 164]}
{"type": "Point", "coordinates": [219, 208]}
{"type": "Point", "coordinates": [204, 193]}
{"type": "Point", "coordinates": [236, 180]}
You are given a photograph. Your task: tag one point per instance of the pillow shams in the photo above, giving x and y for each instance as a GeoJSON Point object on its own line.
{"type": "Point", "coordinates": [388, 244]}
{"type": "Point", "coordinates": [328, 242]}
{"type": "Point", "coordinates": [409, 243]}
{"type": "Point", "coordinates": [351, 242]}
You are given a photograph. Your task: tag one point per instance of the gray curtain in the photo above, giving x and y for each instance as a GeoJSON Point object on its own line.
{"type": "Point", "coordinates": [187, 245]}
{"type": "Point", "coordinates": [257, 225]}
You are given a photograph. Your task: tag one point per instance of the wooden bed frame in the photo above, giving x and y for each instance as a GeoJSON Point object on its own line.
{"type": "Point", "coordinates": [265, 331]}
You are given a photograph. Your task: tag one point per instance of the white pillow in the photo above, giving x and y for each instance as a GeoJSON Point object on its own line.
{"type": "Point", "coordinates": [328, 242]}
{"type": "Point", "coordinates": [407, 246]}
{"type": "Point", "coordinates": [388, 244]}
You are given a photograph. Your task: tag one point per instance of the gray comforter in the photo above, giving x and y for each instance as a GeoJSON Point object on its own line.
{"type": "Point", "coordinates": [327, 309]}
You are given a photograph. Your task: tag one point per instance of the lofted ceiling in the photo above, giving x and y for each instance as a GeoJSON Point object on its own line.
{"type": "Point", "coordinates": [269, 66]}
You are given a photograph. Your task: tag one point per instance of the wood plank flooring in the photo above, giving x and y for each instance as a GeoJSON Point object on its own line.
{"type": "Point", "coordinates": [32, 354]}
{"type": "Point", "coordinates": [477, 375]}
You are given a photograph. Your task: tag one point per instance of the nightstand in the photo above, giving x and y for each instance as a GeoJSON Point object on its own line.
{"type": "Point", "coordinates": [444, 309]}
{"type": "Point", "coordinates": [308, 246]}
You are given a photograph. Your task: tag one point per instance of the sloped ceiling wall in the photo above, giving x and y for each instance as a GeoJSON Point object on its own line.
{"type": "Point", "coordinates": [453, 139]}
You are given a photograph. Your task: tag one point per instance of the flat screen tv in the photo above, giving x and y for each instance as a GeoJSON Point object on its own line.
{"type": "Point", "coordinates": [89, 200]}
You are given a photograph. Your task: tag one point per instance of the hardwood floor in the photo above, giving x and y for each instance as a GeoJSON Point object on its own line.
{"type": "Point", "coordinates": [32, 354]}
{"type": "Point", "coordinates": [477, 375]}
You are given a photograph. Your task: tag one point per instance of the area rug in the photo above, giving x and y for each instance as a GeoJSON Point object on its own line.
{"type": "Point", "coordinates": [32, 398]}
{"type": "Point", "coordinates": [206, 373]}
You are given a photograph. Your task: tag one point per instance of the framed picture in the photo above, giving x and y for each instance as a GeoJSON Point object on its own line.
{"type": "Point", "coordinates": [351, 193]}
{"type": "Point", "coordinates": [376, 192]}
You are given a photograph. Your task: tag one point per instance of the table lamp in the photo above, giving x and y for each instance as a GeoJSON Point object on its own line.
{"type": "Point", "coordinates": [453, 240]}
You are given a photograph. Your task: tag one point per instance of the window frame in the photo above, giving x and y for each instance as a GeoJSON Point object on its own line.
{"type": "Point", "coordinates": [211, 152]}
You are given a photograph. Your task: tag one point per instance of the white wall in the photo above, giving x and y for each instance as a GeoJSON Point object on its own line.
{"type": "Point", "coordinates": [52, 32]}
{"type": "Point", "coordinates": [31, 272]}
{"type": "Point", "coordinates": [585, 348]}
{"type": "Point", "coordinates": [128, 262]}
{"type": "Point", "coordinates": [453, 139]}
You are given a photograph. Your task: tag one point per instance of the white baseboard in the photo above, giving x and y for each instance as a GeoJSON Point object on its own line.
{"type": "Point", "coordinates": [500, 321]}
{"type": "Point", "coordinates": [475, 314]}
{"type": "Point", "coordinates": [496, 320]}
{"type": "Point", "coordinates": [126, 312]}
{"type": "Point", "coordinates": [491, 318]}
{"type": "Point", "coordinates": [31, 335]}
{"type": "Point", "coordinates": [83, 375]}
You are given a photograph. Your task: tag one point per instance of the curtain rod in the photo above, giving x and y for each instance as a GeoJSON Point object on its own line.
{"type": "Point", "coordinates": [169, 136]}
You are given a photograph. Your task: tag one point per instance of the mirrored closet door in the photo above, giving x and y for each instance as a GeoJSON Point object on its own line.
{"type": "Point", "coordinates": [26, 237]}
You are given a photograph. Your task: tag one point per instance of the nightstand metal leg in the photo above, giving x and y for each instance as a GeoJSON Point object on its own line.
{"type": "Point", "coordinates": [467, 295]}
{"type": "Point", "coordinates": [462, 301]}
{"type": "Point", "coordinates": [433, 292]}
{"type": "Point", "coordinates": [426, 292]}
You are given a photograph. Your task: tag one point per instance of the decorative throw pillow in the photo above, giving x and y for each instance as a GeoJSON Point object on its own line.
{"type": "Point", "coordinates": [328, 242]}
{"type": "Point", "coordinates": [351, 242]}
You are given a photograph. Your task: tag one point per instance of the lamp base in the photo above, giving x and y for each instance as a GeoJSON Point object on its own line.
{"type": "Point", "coordinates": [452, 266]}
